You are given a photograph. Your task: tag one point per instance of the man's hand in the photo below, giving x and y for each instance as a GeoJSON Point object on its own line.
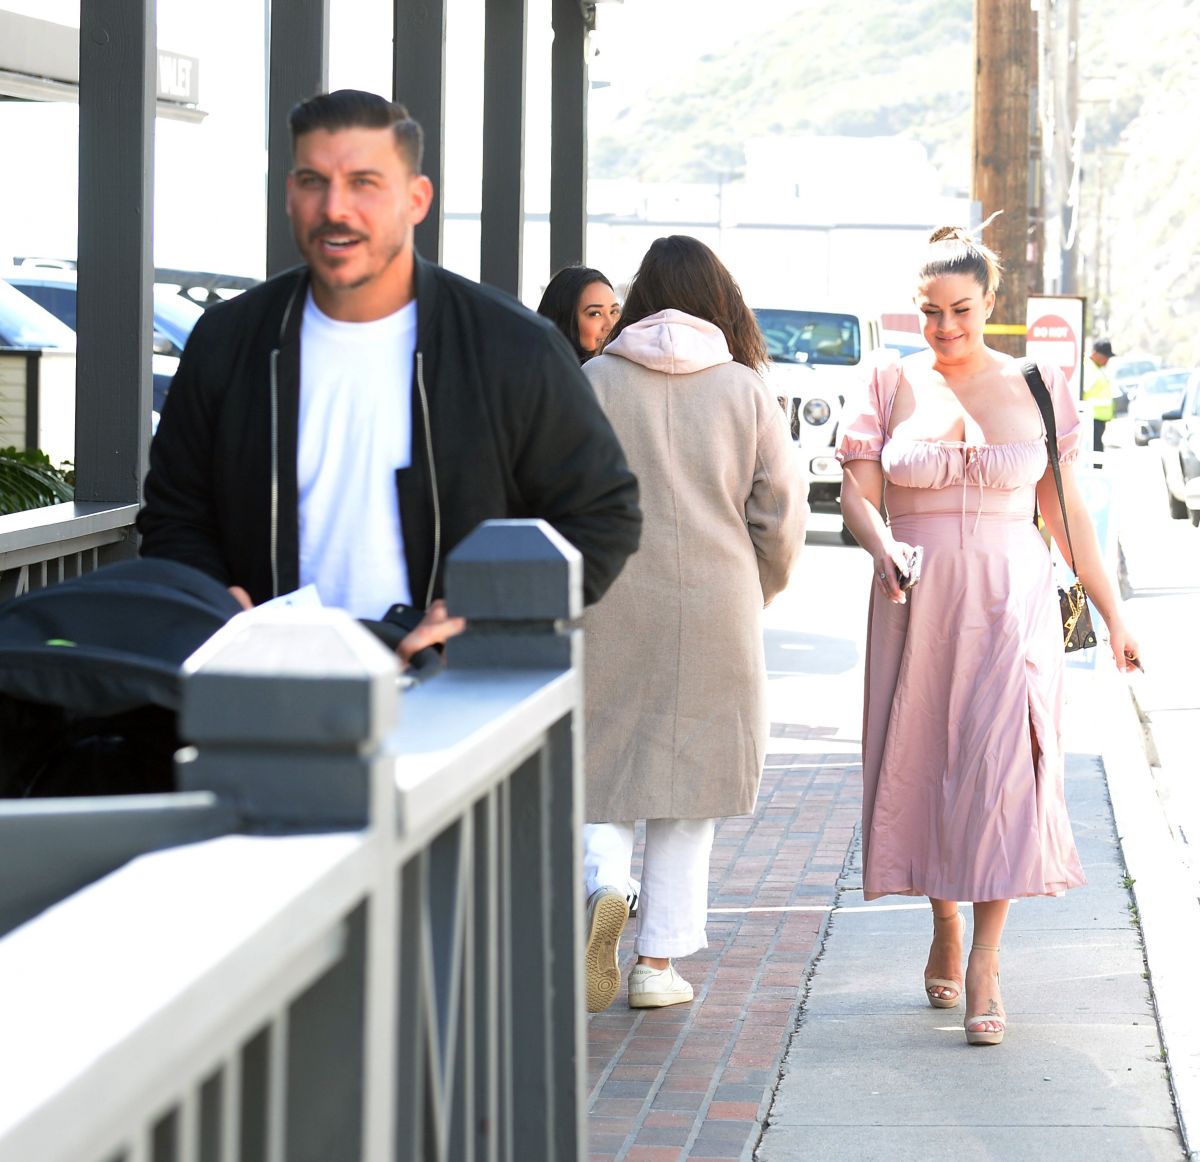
{"type": "Point", "coordinates": [241, 596]}
{"type": "Point", "coordinates": [434, 628]}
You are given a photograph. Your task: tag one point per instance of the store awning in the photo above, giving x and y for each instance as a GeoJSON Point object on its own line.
{"type": "Point", "coordinates": [39, 61]}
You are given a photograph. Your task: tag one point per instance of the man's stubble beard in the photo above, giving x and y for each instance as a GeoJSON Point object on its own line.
{"type": "Point", "coordinates": [341, 288]}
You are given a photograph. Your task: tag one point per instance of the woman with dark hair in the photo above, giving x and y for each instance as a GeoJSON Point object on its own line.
{"type": "Point", "coordinates": [582, 304]}
{"type": "Point", "coordinates": [962, 757]}
{"type": "Point", "coordinates": [674, 674]}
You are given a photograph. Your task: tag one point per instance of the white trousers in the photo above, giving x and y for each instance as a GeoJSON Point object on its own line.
{"type": "Point", "coordinates": [673, 901]}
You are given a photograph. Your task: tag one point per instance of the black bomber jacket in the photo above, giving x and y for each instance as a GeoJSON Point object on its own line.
{"type": "Point", "coordinates": [504, 425]}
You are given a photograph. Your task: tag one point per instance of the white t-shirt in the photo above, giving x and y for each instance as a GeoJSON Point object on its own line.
{"type": "Point", "coordinates": [355, 432]}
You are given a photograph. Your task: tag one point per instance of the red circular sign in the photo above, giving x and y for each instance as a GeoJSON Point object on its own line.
{"type": "Point", "coordinates": [1052, 339]}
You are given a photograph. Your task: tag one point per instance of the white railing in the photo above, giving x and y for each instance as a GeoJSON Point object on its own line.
{"type": "Point", "coordinates": [381, 963]}
{"type": "Point", "coordinates": [47, 545]}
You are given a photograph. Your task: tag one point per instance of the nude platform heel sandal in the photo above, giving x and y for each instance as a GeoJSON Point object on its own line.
{"type": "Point", "coordinates": [934, 982]}
{"type": "Point", "coordinates": [976, 1036]}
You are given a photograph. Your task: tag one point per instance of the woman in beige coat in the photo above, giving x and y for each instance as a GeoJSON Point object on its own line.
{"type": "Point", "coordinates": [674, 671]}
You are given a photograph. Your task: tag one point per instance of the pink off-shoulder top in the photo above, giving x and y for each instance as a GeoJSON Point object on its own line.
{"type": "Point", "coordinates": [945, 476]}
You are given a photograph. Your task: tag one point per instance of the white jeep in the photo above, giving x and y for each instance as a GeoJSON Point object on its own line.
{"type": "Point", "coordinates": [818, 357]}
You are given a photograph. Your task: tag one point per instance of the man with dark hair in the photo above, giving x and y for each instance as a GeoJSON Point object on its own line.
{"type": "Point", "coordinates": [355, 109]}
{"type": "Point", "coordinates": [346, 423]}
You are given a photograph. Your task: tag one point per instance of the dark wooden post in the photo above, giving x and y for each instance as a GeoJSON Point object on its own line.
{"type": "Point", "coordinates": [568, 136]}
{"type": "Point", "coordinates": [503, 208]}
{"type": "Point", "coordinates": [117, 87]}
{"type": "Point", "coordinates": [298, 56]}
{"type": "Point", "coordinates": [1071, 215]}
{"type": "Point", "coordinates": [1004, 30]}
{"type": "Point", "coordinates": [419, 82]}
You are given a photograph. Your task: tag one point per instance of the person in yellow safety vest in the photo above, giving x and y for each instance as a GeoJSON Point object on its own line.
{"type": "Point", "coordinates": [1098, 389]}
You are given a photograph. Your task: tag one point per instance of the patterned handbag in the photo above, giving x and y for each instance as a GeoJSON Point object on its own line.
{"type": "Point", "coordinates": [1078, 633]}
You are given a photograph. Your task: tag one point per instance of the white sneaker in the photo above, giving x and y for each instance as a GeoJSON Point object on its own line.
{"type": "Point", "coordinates": [655, 988]}
{"type": "Point", "coordinates": [607, 911]}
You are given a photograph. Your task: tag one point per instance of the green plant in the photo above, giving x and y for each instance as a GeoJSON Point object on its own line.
{"type": "Point", "coordinates": [29, 480]}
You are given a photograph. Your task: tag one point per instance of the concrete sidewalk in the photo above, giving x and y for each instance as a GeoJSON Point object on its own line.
{"type": "Point", "coordinates": [810, 1037]}
{"type": "Point", "coordinates": [875, 1072]}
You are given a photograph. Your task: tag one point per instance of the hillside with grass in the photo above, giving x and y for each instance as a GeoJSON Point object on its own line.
{"type": "Point", "coordinates": [858, 69]}
{"type": "Point", "coordinates": [825, 67]}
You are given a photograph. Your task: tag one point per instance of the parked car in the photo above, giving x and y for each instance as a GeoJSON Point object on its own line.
{"type": "Point", "coordinates": [903, 331]}
{"type": "Point", "coordinates": [1126, 372]}
{"type": "Point", "coordinates": [1179, 448]}
{"type": "Point", "coordinates": [904, 342]}
{"type": "Point", "coordinates": [1158, 392]}
{"type": "Point", "coordinates": [35, 388]}
{"type": "Point", "coordinates": [174, 316]}
{"type": "Point", "coordinates": [26, 325]}
{"type": "Point", "coordinates": [817, 356]}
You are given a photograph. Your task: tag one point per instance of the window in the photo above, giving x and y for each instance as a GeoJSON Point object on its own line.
{"type": "Point", "coordinates": [810, 336]}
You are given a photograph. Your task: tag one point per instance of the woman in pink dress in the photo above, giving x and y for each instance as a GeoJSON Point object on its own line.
{"type": "Point", "coordinates": [962, 759]}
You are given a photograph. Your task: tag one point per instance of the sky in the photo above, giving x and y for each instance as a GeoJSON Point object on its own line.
{"type": "Point", "coordinates": [210, 178]}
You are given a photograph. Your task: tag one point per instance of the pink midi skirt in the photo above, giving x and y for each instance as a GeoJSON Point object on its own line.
{"type": "Point", "coordinates": [964, 685]}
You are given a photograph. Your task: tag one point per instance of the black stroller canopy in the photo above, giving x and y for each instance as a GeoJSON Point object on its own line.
{"type": "Point", "coordinates": [90, 680]}
{"type": "Point", "coordinates": [111, 640]}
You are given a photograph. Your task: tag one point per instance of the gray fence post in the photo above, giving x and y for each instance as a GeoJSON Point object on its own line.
{"type": "Point", "coordinates": [519, 584]}
{"type": "Point", "coordinates": [287, 711]}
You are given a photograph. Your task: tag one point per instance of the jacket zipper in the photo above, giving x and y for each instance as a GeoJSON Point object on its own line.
{"type": "Point", "coordinates": [274, 474]}
{"type": "Point", "coordinates": [437, 506]}
{"type": "Point", "coordinates": [287, 314]}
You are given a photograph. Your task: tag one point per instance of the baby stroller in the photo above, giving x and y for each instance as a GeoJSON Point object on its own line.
{"type": "Point", "coordinates": [90, 682]}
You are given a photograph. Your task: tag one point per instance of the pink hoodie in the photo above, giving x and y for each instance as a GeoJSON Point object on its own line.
{"type": "Point", "coordinates": [673, 342]}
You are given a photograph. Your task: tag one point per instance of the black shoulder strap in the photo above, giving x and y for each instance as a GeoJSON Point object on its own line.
{"type": "Point", "coordinates": [1041, 395]}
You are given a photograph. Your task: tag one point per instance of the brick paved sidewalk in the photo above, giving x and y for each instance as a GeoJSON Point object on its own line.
{"type": "Point", "coordinates": [696, 1081]}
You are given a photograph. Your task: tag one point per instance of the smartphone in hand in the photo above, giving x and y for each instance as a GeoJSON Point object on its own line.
{"type": "Point", "coordinates": [909, 579]}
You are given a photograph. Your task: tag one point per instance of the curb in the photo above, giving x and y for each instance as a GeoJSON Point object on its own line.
{"type": "Point", "coordinates": [1168, 911]}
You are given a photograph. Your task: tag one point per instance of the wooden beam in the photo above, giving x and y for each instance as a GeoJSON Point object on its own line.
{"type": "Point", "coordinates": [503, 198]}
{"type": "Point", "coordinates": [114, 325]}
{"type": "Point", "coordinates": [298, 53]}
{"type": "Point", "coordinates": [1004, 34]}
{"type": "Point", "coordinates": [419, 83]}
{"type": "Point", "coordinates": [568, 136]}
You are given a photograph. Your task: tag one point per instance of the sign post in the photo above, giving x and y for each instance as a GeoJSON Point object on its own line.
{"type": "Point", "coordinates": [1054, 334]}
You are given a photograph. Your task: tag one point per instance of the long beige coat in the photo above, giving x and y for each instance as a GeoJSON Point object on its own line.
{"type": "Point", "coordinates": [675, 678]}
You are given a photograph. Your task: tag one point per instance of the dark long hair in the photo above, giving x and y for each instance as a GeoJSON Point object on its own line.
{"type": "Point", "coordinates": [560, 302]}
{"type": "Point", "coordinates": [681, 273]}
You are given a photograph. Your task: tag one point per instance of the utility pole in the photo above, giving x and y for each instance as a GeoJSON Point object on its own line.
{"type": "Point", "coordinates": [1103, 250]}
{"type": "Point", "coordinates": [1004, 33]}
{"type": "Point", "coordinates": [1071, 209]}
{"type": "Point", "coordinates": [1039, 171]}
